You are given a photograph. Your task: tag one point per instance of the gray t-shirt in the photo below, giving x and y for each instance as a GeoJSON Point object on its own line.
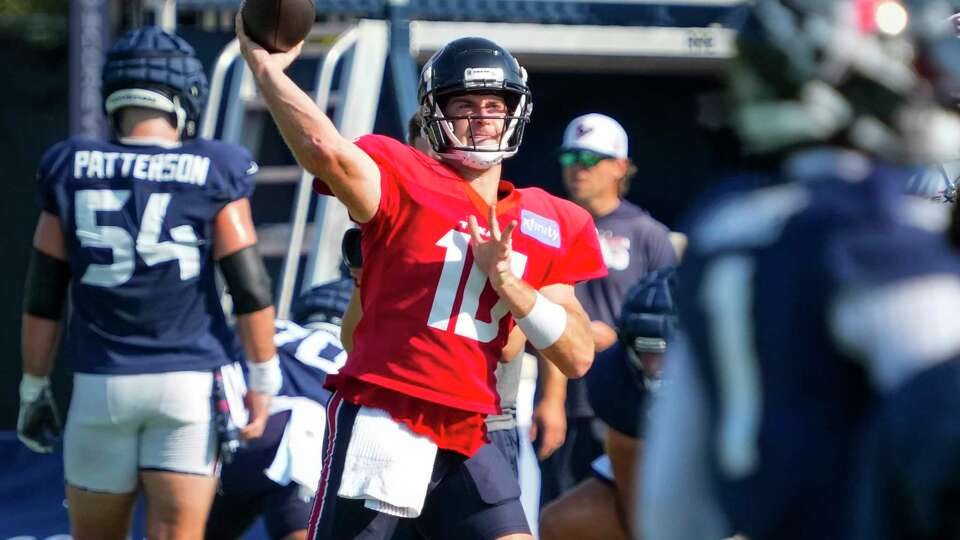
{"type": "Point", "coordinates": [508, 384]}
{"type": "Point", "coordinates": [634, 244]}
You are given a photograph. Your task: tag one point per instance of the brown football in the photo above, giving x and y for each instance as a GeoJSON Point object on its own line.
{"type": "Point", "coordinates": [278, 25]}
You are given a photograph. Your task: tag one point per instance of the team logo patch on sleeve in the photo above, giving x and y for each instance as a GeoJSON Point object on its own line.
{"type": "Point", "coordinates": [540, 228]}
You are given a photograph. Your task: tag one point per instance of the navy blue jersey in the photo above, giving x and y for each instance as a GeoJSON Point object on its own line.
{"type": "Point", "coordinates": [137, 221]}
{"type": "Point", "coordinates": [787, 400]}
{"type": "Point", "coordinates": [617, 392]}
{"type": "Point", "coordinates": [307, 356]}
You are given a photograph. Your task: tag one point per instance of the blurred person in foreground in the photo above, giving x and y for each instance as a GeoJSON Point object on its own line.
{"type": "Point", "coordinates": [133, 229]}
{"type": "Point", "coordinates": [621, 386]}
{"type": "Point", "coordinates": [908, 483]}
{"type": "Point", "coordinates": [805, 303]}
{"type": "Point", "coordinates": [596, 173]}
{"type": "Point", "coordinates": [276, 475]}
{"type": "Point", "coordinates": [440, 295]}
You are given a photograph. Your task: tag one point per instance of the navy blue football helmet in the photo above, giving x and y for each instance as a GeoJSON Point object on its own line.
{"type": "Point", "coordinates": [150, 68]}
{"type": "Point", "coordinates": [323, 304]}
{"type": "Point", "coordinates": [648, 320]}
{"type": "Point", "coordinates": [473, 65]}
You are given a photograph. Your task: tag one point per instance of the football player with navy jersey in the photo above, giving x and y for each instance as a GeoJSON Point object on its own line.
{"type": "Point", "coordinates": [440, 295]}
{"type": "Point", "coordinates": [805, 301]}
{"type": "Point", "coordinates": [621, 385]}
{"type": "Point", "coordinates": [276, 475]}
{"type": "Point", "coordinates": [132, 229]}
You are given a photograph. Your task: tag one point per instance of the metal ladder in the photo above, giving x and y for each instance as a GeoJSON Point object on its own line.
{"type": "Point", "coordinates": [360, 50]}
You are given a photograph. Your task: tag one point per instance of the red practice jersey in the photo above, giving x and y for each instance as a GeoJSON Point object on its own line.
{"type": "Point", "coordinates": [432, 325]}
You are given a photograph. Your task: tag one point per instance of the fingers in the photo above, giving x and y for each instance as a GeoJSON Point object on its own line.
{"type": "Point", "coordinates": [533, 432]}
{"type": "Point", "coordinates": [295, 51]}
{"type": "Point", "coordinates": [494, 225]}
{"type": "Point", "coordinates": [475, 237]}
{"type": "Point", "coordinates": [259, 406]}
{"type": "Point", "coordinates": [549, 445]}
{"type": "Point", "coordinates": [238, 26]}
{"type": "Point", "coordinates": [291, 55]}
{"type": "Point", "coordinates": [35, 446]}
{"type": "Point", "coordinates": [545, 452]}
{"type": "Point", "coordinates": [508, 232]}
{"type": "Point", "coordinates": [253, 429]}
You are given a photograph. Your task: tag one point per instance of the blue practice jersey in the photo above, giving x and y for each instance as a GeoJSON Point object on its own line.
{"type": "Point", "coordinates": [763, 272]}
{"type": "Point", "coordinates": [137, 221]}
{"type": "Point", "coordinates": [307, 356]}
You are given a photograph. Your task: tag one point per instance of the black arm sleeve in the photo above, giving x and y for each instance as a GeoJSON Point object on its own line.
{"type": "Point", "coordinates": [45, 292]}
{"type": "Point", "coordinates": [247, 280]}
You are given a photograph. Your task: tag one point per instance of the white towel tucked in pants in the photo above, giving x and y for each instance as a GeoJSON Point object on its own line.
{"type": "Point", "coordinates": [387, 465]}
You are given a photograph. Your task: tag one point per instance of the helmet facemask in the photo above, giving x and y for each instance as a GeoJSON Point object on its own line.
{"type": "Point", "coordinates": [440, 130]}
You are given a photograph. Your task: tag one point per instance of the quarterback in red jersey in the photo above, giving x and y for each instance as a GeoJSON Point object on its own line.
{"type": "Point", "coordinates": [443, 286]}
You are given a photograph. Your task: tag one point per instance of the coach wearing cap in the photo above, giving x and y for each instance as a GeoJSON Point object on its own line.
{"type": "Point", "coordinates": [596, 173]}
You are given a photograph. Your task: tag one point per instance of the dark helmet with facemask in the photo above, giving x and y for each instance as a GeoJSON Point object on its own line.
{"type": "Point", "coordinates": [473, 65]}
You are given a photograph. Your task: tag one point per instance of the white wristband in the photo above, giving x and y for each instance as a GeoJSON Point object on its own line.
{"type": "Point", "coordinates": [545, 323]}
{"type": "Point", "coordinates": [265, 377]}
{"type": "Point", "coordinates": [31, 386]}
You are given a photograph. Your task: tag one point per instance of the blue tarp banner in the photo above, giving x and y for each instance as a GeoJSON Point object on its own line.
{"type": "Point", "coordinates": [32, 502]}
{"type": "Point", "coordinates": [32, 499]}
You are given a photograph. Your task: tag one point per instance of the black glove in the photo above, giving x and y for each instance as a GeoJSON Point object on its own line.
{"type": "Point", "coordinates": [38, 423]}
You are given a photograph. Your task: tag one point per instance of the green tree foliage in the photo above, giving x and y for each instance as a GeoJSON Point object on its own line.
{"type": "Point", "coordinates": [34, 7]}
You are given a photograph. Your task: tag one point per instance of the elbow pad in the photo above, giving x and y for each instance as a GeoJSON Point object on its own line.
{"type": "Point", "coordinates": [45, 291]}
{"type": "Point", "coordinates": [247, 280]}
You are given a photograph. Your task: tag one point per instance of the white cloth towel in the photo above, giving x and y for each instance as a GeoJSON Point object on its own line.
{"type": "Point", "coordinates": [299, 455]}
{"type": "Point", "coordinates": [387, 465]}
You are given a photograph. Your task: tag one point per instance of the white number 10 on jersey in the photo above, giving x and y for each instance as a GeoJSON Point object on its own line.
{"type": "Point", "coordinates": [456, 244]}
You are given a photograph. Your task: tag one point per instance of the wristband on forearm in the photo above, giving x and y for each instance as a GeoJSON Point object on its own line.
{"type": "Point", "coordinates": [545, 323]}
{"type": "Point", "coordinates": [32, 386]}
{"type": "Point", "coordinates": [265, 377]}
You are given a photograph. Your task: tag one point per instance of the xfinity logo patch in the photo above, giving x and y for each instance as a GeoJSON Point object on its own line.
{"type": "Point", "coordinates": [540, 228]}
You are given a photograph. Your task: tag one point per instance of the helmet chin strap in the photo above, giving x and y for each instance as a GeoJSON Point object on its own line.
{"type": "Point", "coordinates": [476, 160]}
